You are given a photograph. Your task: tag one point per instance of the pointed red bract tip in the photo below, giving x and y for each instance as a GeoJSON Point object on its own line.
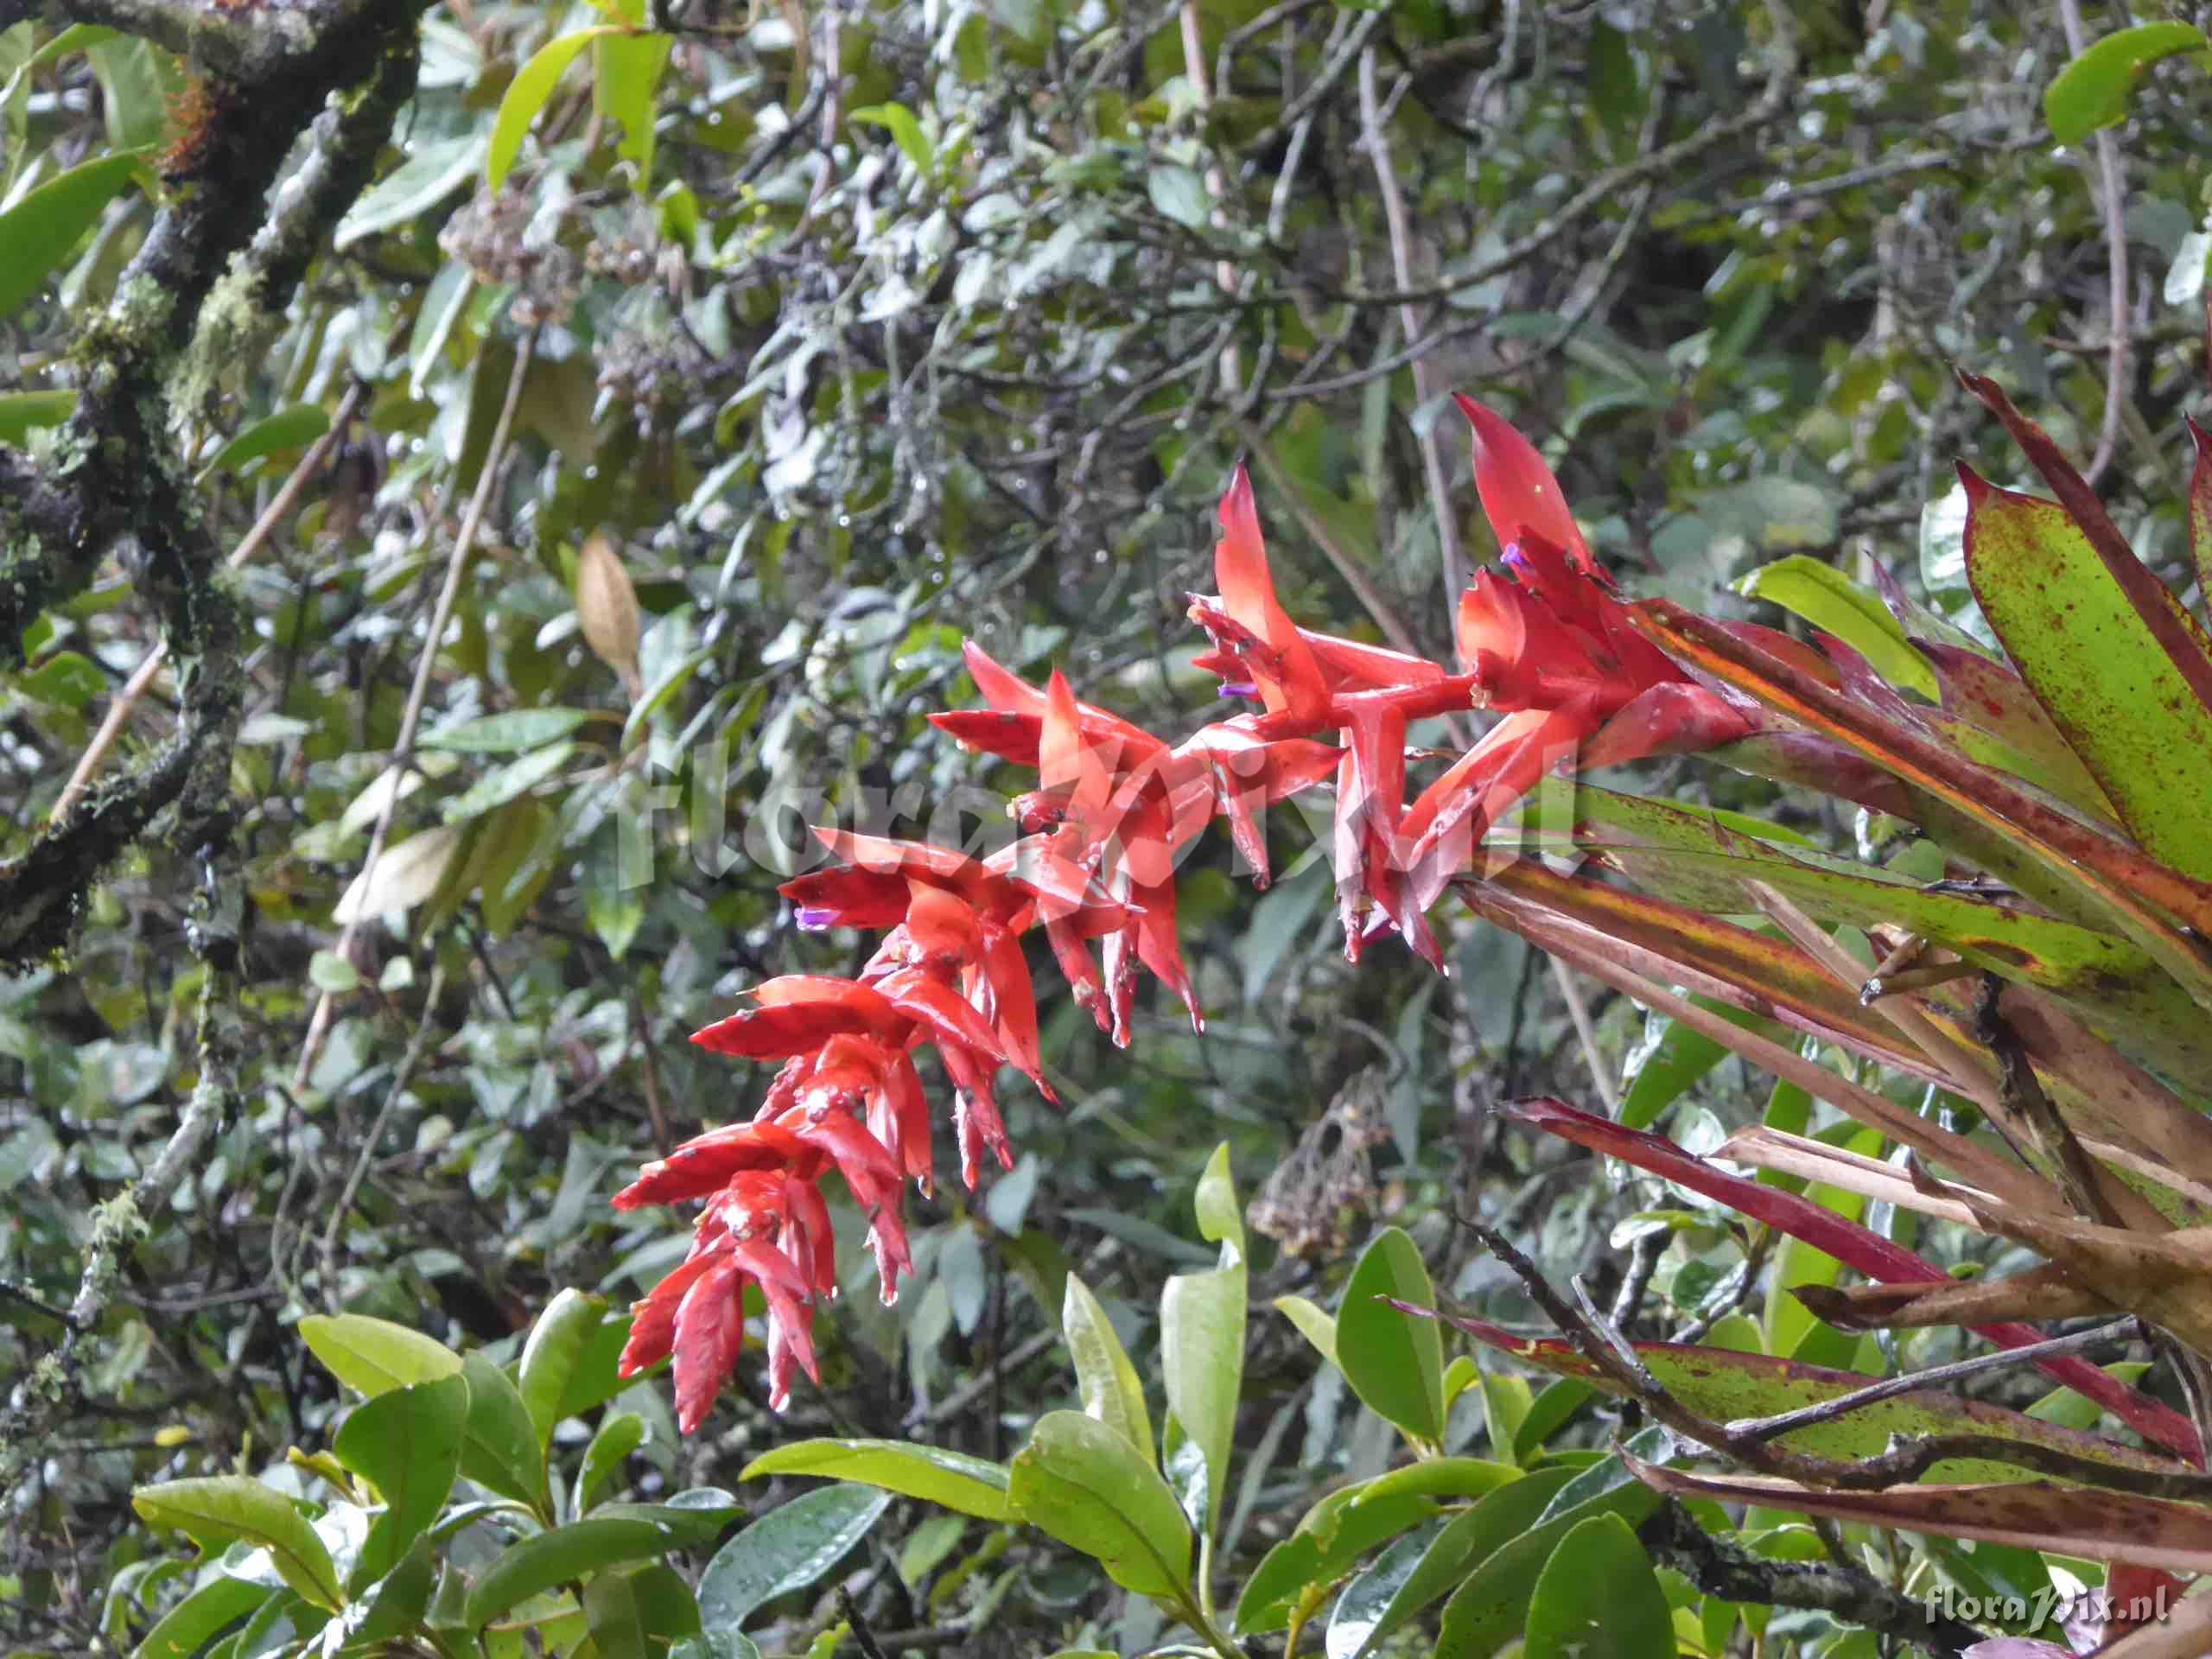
{"type": "Point", "coordinates": [1978, 488]}
{"type": "Point", "coordinates": [1519, 493]}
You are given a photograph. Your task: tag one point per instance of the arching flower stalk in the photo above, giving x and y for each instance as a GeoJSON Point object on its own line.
{"type": "Point", "coordinates": [1545, 644]}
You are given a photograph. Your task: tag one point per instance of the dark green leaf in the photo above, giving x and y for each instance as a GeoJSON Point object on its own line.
{"type": "Point", "coordinates": [785, 1550]}
{"type": "Point", "coordinates": [1081, 1482]}
{"type": "Point", "coordinates": [1394, 1361]}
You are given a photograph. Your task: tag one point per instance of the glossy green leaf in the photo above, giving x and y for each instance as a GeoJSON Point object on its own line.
{"type": "Point", "coordinates": [787, 1549]}
{"type": "Point", "coordinates": [296, 428]}
{"type": "Point", "coordinates": [394, 1604]}
{"type": "Point", "coordinates": [1202, 1319]}
{"type": "Point", "coordinates": [186, 1629]}
{"type": "Point", "coordinates": [623, 1432]}
{"type": "Point", "coordinates": [1547, 1414]}
{"type": "Point", "coordinates": [1081, 1482]}
{"type": "Point", "coordinates": [67, 679]}
{"type": "Point", "coordinates": [905, 131]}
{"type": "Point", "coordinates": [520, 728]}
{"type": "Point", "coordinates": [525, 95]}
{"type": "Point", "coordinates": [1111, 1390]}
{"type": "Point", "coordinates": [373, 1356]}
{"type": "Point", "coordinates": [1488, 1609]}
{"type": "Point", "coordinates": [1629, 1620]}
{"type": "Point", "coordinates": [1394, 1362]}
{"type": "Point", "coordinates": [550, 1357]}
{"type": "Point", "coordinates": [501, 1452]}
{"type": "Point", "coordinates": [1667, 1062]}
{"type": "Point", "coordinates": [1332, 1536]}
{"type": "Point", "coordinates": [20, 411]}
{"type": "Point", "coordinates": [1831, 601]}
{"type": "Point", "coordinates": [41, 230]}
{"type": "Point", "coordinates": [137, 80]}
{"type": "Point", "coordinates": [695, 1516]}
{"type": "Point", "coordinates": [430, 173]}
{"type": "Point", "coordinates": [640, 1612]}
{"type": "Point", "coordinates": [1221, 1217]}
{"type": "Point", "coordinates": [2125, 705]}
{"type": "Point", "coordinates": [1506, 1400]}
{"type": "Point", "coordinates": [508, 782]}
{"type": "Point", "coordinates": [406, 1442]}
{"type": "Point", "coordinates": [953, 1479]}
{"type": "Point", "coordinates": [224, 1509]}
{"type": "Point", "coordinates": [625, 82]}
{"type": "Point", "coordinates": [2093, 91]}
{"type": "Point", "coordinates": [1421, 1568]}
{"type": "Point", "coordinates": [562, 1555]}
{"type": "Point", "coordinates": [1314, 1324]}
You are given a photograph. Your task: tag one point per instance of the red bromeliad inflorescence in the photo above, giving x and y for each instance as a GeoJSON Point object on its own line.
{"type": "Point", "coordinates": [1545, 644]}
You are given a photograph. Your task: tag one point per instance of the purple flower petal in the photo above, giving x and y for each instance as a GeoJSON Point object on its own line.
{"type": "Point", "coordinates": [1238, 689]}
{"type": "Point", "coordinates": [813, 919]}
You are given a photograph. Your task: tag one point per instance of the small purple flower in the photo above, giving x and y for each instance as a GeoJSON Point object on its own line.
{"type": "Point", "coordinates": [813, 919]}
{"type": "Point", "coordinates": [1238, 689]}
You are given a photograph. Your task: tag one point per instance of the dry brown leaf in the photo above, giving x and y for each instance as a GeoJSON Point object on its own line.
{"type": "Point", "coordinates": [2101, 1525]}
{"type": "Point", "coordinates": [2044, 1292]}
{"type": "Point", "coordinates": [2166, 1277]}
{"type": "Point", "coordinates": [606, 609]}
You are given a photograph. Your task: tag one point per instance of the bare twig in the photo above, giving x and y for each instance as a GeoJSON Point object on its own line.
{"type": "Point", "coordinates": [2114, 203]}
{"type": "Point", "coordinates": [1585, 1034]}
{"type": "Point", "coordinates": [400, 1079]}
{"type": "Point", "coordinates": [1827, 1411]}
{"type": "Point", "coordinates": [1427, 387]}
{"type": "Point", "coordinates": [411, 718]}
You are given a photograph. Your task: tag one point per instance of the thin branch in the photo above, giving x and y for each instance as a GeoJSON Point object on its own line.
{"type": "Point", "coordinates": [1827, 1411]}
{"type": "Point", "coordinates": [400, 1079]}
{"type": "Point", "coordinates": [2114, 204]}
{"type": "Point", "coordinates": [402, 748]}
{"type": "Point", "coordinates": [1427, 389]}
{"type": "Point", "coordinates": [1586, 1032]}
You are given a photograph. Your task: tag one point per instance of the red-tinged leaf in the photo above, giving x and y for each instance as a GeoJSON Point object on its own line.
{"type": "Point", "coordinates": [2125, 702]}
{"type": "Point", "coordinates": [708, 1336]}
{"type": "Point", "coordinates": [1996, 699]}
{"type": "Point", "coordinates": [1284, 667]}
{"type": "Point", "coordinates": [2172, 628]}
{"type": "Point", "coordinates": [2199, 510]}
{"type": "Point", "coordinates": [1853, 1245]}
{"type": "Point", "coordinates": [1519, 495]}
{"type": "Point", "coordinates": [1449, 817]}
{"type": "Point", "coordinates": [2103, 1526]}
{"type": "Point", "coordinates": [2166, 1277]}
{"type": "Point", "coordinates": [1675, 718]}
{"type": "Point", "coordinates": [1725, 1386]}
{"type": "Point", "coordinates": [2113, 876]}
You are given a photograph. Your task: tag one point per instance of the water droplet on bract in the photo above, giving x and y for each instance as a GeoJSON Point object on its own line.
{"type": "Point", "coordinates": [844, 521]}
{"type": "Point", "coordinates": [591, 472]}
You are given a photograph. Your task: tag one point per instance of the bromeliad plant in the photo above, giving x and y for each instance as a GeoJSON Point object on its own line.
{"type": "Point", "coordinates": [2042, 963]}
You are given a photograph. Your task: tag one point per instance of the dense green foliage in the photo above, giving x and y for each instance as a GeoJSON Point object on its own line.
{"type": "Point", "coordinates": [680, 395]}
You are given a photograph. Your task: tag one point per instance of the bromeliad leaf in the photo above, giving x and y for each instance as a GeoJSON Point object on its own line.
{"type": "Point", "coordinates": [1725, 1386]}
